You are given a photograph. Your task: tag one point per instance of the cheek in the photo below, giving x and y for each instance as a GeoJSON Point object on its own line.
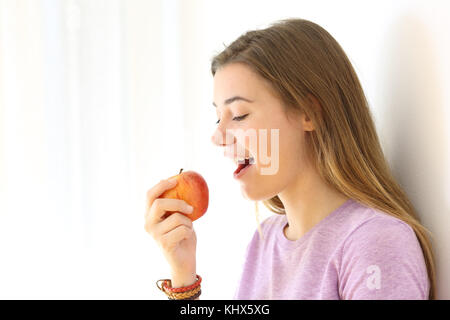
{"type": "Point", "coordinates": [277, 140]}
{"type": "Point", "coordinates": [287, 159]}
{"type": "Point", "coordinates": [286, 148]}
{"type": "Point", "coordinates": [294, 149]}
{"type": "Point", "coordinates": [269, 140]}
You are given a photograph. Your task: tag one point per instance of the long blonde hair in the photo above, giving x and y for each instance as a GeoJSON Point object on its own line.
{"type": "Point", "coordinates": [299, 59]}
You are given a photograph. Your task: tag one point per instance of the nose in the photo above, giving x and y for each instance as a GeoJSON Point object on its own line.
{"type": "Point", "coordinates": [221, 138]}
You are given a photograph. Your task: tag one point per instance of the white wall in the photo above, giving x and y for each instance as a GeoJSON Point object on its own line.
{"type": "Point", "coordinates": [100, 99]}
{"type": "Point", "coordinates": [412, 96]}
{"type": "Point", "coordinates": [400, 51]}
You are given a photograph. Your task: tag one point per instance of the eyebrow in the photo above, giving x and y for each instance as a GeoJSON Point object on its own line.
{"type": "Point", "coordinates": [233, 99]}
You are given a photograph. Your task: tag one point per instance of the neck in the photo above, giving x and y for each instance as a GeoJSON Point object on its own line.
{"type": "Point", "coordinates": [308, 200]}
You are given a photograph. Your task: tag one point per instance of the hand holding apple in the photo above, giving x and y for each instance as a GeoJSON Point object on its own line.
{"type": "Point", "coordinates": [166, 220]}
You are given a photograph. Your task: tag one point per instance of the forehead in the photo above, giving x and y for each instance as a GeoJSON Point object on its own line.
{"type": "Point", "coordinates": [236, 79]}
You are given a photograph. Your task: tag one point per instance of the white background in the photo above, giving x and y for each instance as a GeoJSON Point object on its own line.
{"type": "Point", "coordinates": [101, 99]}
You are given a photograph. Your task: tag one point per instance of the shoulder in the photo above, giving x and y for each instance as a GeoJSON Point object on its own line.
{"type": "Point", "coordinates": [377, 228]}
{"type": "Point", "coordinates": [359, 222]}
{"type": "Point", "coordinates": [381, 258]}
{"type": "Point", "coordinates": [371, 232]}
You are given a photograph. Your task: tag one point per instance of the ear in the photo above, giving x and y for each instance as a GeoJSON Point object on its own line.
{"type": "Point", "coordinates": [306, 121]}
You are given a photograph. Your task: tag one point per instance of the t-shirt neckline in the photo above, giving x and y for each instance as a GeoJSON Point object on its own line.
{"type": "Point", "coordinates": [285, 242]}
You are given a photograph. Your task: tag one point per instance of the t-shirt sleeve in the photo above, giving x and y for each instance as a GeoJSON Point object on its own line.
{"type": "Point", "coordinates": [382, 260]}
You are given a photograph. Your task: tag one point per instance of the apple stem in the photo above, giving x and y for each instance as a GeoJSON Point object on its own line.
{"type": "Point", "coordinates": [180, 170]}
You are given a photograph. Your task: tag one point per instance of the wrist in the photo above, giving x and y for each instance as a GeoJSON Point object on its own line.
{"type": "Point", "coordinates": [181, 287]}
{"type": "Point", "coordinates": [184, 279]}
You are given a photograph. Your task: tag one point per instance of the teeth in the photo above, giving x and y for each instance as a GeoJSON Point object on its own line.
{"type": "Point", "coordinates": [242, 161]}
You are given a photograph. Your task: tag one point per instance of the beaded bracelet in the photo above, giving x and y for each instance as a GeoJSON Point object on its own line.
{"type": "Point", "coordinates": [167, 285]}
{"type": "Point", "coordinates": [183, 293]}
{"type": "Point", "coordinates": [195, 296]}
{"type": "Point", "coordinates": [188, 295]}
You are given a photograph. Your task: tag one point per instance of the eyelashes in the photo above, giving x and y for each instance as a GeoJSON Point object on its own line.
{"type": "Point", "coordinates": [240, 118]}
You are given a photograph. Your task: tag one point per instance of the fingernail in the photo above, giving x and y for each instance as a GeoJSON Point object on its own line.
{"type": "Point", "coordinates": [189, 208]}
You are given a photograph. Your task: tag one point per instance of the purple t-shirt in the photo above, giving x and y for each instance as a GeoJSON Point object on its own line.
{"type": "Point", "coordinates": [356, 252]}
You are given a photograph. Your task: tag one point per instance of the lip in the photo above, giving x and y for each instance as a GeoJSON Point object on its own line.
{"type": "Point", "coordinates": [242, 172]}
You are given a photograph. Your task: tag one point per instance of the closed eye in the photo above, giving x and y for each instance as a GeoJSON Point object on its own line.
{"type": "Point", "coordinates": [240, 118]}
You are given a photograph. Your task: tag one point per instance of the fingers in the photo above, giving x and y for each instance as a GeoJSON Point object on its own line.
{"type": "Point", "coordinates": [158, 189]}
{"type": "Point", "coordinates": [169, 240]}
{"type": "Point", "coordinates": [161, 206]}
{"type": "Point", "coordinates": [159, 230]}
{"type": "Point", "coordinates": [170, 223]}
{"type": "Point", "coordinates": [158, 207]}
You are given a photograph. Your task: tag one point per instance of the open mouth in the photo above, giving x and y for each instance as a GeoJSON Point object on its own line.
{"type": "Point", "coordinates": [244, 163]}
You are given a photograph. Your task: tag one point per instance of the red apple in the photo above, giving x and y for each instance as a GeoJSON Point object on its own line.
{"type": "Point", "coordinates": [192, 188]}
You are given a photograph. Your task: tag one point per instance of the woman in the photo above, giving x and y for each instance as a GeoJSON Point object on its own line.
{"type": "Point", "coordinates": [344, 228]}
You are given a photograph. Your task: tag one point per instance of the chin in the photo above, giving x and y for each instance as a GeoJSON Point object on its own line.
{"type": "Point", "coordinates": [258, 194]}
